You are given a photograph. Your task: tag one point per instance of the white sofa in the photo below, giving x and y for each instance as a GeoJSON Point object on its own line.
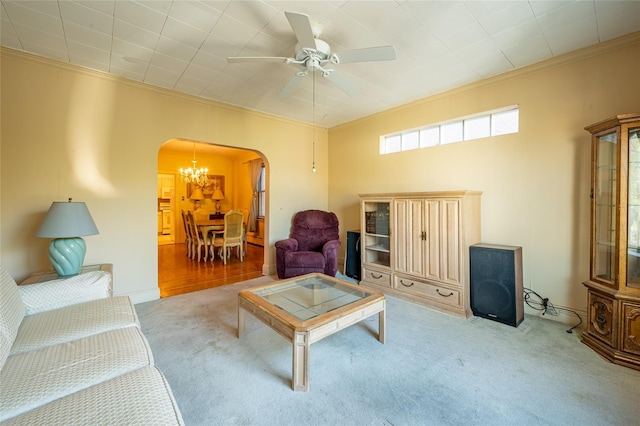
{"type": "Point", "coordinates": [72, 354]}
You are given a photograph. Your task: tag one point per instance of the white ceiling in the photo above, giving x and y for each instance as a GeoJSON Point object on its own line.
{"type": "Point", "coordinates": [183, 45]}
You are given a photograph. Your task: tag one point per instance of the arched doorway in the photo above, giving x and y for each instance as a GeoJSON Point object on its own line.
{"type": "Point", "coordinates": [228, 168]}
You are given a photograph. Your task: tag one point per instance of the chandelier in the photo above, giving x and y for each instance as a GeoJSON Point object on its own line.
{"type": "Point", "coordinates": [195, 175]}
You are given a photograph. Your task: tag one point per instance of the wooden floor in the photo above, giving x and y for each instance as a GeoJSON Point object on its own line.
{"type": "Point", "coordinates": [179, 274]}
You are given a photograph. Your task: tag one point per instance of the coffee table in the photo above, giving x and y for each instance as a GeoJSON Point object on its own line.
{"type": "Point", "coordinates": [308, 308]}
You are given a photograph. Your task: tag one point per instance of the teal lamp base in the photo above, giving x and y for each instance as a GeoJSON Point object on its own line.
{"type": "Point", "coordinates": [67, 255]}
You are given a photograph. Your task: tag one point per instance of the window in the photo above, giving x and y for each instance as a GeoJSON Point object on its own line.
{"type": "Point", "coordinates": [491, 123]}
{"type": "Point", "coordinates": [262, 189]}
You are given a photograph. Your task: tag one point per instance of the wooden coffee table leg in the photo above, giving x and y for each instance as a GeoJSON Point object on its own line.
{"type": "Point", "coordinates": [381, 325]}
{"type": "Point", "coordinates": [300, 381]}
{"type": "Point", "coordinates": [240, 322]}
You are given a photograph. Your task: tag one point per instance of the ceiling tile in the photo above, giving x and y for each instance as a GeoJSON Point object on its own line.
{"type": "Point", "coordinates": [133, 53]}
{"type": "Point", "coordinates": [105, 6]}
{"type": "Point", "coordinates": [127, 73]}
{"type": "Point", "coordinates": [517, 34]}
{"type": "Point", "coordinates": [566, 16]}
{"type": "Point", "coordinates": [134, 34]}
{"type": "Point", "coordinates": [195, 14]}
{"type": "Point", "coordinates": [492, 64]}
{"type": "Point", "coordinates": [191, 85]}
{"type": "Point", "coordinates": [207, 61]}
{"type": "Point", "coordinates": [35, 46]}
{"type": "Point", "coordinates": [38, 37]}
{"type": "Point", "coordinates": [168, 62]}
{"type": "Point", "coordinates": [469, 35]}
{"type": "Point", "coordinates": [21, 14]}
{"type": "Point", "coordinates": [514, 14]}
{"type": "Point", "coordinates": [172, 48]}
{"type": "Point", "coordinates": [485, 9]}
{"type": "Point", "coordinates": [137, 14]}
{"type": "Point", "coordinates": [183, 33]}
{"type": "Point", "coordinates": [528, 51]}
{"type": "Point", "coordinates": [619, 20]}
{"type": "Point", "coordinates": [574, 35]}
{"type": "Point", "coordinates": [233, 31]}
{"type": "Point", "coordinates": [87, 36]}
{"type": "Point", "coordinates": [83, 16]}
{"type": "Point", "coordinates": [542, 7]}
{"type": "Point", "coordinates": [254, 14]}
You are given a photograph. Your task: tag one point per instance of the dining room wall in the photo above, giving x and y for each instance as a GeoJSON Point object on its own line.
{"type": "Point", "coordinates": [231, 164]}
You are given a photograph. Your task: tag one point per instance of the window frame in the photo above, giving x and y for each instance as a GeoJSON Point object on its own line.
{"type": "Point", "coordinates": [393, 142]}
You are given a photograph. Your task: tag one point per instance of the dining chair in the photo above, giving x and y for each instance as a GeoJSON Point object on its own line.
{"type": "Point", "coordinates": [231, 237]}
{"type": "Point", "coordinates": [198, 240]}
{"type": "Point", "coordinates": [187, 234]}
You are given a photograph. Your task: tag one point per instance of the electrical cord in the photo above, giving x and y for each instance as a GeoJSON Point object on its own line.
{"type": "Point", "coordinates": [543, 304]}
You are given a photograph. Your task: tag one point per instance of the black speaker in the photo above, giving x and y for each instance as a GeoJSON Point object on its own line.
{"type": "Point", "coordinates": [496, 283]}
{"type": "Point", "coordinates": [352, 258]}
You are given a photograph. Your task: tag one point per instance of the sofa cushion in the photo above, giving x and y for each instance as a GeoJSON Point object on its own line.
{"type": "Point", "coordinates": [74, 322]}
{"type": "Point", "coordinates": [38, 377]}
{"type": "Point", "coordinates": [11, 313]}
{"type": "Point", "coordinates": [141, 397]}
{"type": "Point", "coordinates": [63, 292]}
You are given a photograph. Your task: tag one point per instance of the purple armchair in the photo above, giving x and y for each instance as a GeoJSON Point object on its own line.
{"type": "Point", "coordinates": [312, 247]}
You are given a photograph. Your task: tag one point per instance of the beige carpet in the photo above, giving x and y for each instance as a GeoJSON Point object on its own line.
{"type": "Point", "coordinates": [434, 369]}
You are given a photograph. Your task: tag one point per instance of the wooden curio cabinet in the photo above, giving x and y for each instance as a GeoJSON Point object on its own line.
{"type": "Point", "coordinates": [613, 310]}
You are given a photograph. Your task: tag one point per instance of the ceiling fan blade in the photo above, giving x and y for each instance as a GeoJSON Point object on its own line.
{"type": "Point", "coordinates": [349, 87]}
{"type": "Point", "coordinates": [243, 59]}
{"type": "Point", "coordinates": [291, 85]}
{"type": "Point", "coordinates": [301, 26]}
{"type": "Point", "coordinates": [381, 53]}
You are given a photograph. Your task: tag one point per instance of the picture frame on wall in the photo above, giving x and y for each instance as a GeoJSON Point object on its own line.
{"type": "Point", "coordinates": [213, 182]}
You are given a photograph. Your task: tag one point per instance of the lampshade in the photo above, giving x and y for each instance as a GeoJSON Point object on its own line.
{"type": "Point", "coordinates": [67, 219]}
{"type": "Point", "coordinates": [67, 222]}
{"type": "Point", "coordinates": [217, 195]}
{"type": "Point", "coordinates": [197, 194]}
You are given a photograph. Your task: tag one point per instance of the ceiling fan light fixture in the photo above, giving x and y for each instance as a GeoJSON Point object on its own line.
{"type": "Point", "coordinates": [312, 54]}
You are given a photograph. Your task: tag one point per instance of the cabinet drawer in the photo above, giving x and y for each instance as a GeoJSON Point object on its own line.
{"type": "Point", "coordinates": [431, 291]}
{"type": "Point", "coordinates": [376, 277]}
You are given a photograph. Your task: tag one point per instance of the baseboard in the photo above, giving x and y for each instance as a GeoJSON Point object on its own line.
{"type": "Point", "coordinates": [143, 296]}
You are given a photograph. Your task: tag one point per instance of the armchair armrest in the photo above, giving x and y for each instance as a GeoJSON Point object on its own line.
{"type": "Point", "coordinates": [330, 252]}
{"type": "Point", "coordinates": [330, 246]}
{"type": "Point", "coordinates": [290, 244]}
{"type": "Point", "coordinates": [63, 292]}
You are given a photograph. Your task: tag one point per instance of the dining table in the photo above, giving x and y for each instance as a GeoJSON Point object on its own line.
{"type": "Point", "coordinates": [215, 226]}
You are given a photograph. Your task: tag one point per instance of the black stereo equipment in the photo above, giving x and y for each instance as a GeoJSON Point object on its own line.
{"type": "Point", "coordinates": [496, 283]}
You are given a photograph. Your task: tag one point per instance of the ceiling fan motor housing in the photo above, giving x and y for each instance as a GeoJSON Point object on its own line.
{"type": "Point", "coordinates": [322, 50]}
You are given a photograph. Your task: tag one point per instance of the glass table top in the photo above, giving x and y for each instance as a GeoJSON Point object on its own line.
{"type": "Point", "coordinates": [309, 297]}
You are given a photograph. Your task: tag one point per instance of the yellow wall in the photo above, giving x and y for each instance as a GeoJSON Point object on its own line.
{"type": "Point", "coordinates": [71, 132]}
{"type": "Point", "coordinates": [535, 183]}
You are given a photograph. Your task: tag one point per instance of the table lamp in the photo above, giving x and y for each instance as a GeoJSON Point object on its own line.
{"type": "Point", "coordinates": [196, 196]}
{"type": "Point", "coordinates": [66, 223]}
{"type": "Point", "coordinates": [217, 195]}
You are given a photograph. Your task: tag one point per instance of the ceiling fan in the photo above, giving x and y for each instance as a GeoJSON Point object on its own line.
{"type": "Point", "coordinates": [313, 54]}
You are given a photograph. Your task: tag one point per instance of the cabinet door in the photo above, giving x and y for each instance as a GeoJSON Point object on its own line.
{"type": "Point", "coordinates": [433, 235]}
{"type": "Point", "coordinates": [409, 237]}
{"type": "Point", "coordinates": [631, 327]}
{"type": "Point", "coordinates": [451, 241]}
